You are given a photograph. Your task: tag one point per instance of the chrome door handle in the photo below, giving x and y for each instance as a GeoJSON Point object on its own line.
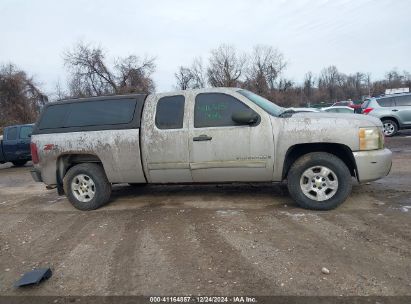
{"type": "Point", "coordinates": [202, 137]}
{"type": "Point", "coordinates": [395, 110]}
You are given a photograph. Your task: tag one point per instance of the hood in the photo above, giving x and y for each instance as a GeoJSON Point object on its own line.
{"type": "Point", "coordinates": [358, 120]}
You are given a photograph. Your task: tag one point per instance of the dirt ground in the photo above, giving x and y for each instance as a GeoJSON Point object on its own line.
{"type": "Point", "coordinates": [209, 240]}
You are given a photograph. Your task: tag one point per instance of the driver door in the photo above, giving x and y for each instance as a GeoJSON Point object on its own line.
{"type": "Point", "coordinates": [222, 150]}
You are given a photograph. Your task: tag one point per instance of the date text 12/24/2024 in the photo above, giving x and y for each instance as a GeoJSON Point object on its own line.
{"type": "Point", "coordinates": [203, 299]}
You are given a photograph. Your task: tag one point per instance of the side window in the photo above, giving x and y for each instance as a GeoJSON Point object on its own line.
{"type": "Point", "coordinates": [25, 132]}
{"type": "Point", "coordinates": [216, 109]}
{"type": "Point", "coordinates": [54, 116]}
{"type": "Point", "coordinates": [403, 100]}
{"type": "Point", "coordinates": [89, 113]}
{"type": "Point", "coordinates": [101, 112]}
{"type": "Point", "coordinates": [386, 102]}
{"type": "Point", "coordinates": [170, 112]}
{"type": "Point", "coordinates": [12, 133]}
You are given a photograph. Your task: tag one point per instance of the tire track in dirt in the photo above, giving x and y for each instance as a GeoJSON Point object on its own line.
{"type": "Point", "coordinates": [203, 261]}
{"type": "Point", "coordinates": [340, 244]}
{"type": "Point", "coordinates": [123, 261]}
{"type": "Point", "coordinates": [262, 240]}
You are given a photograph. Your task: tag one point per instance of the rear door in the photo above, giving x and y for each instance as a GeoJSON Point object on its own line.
{"type": "Point", "coordinates": [10, 144]}
{"type": "Point", "coordinates": [24, 141]}
{"type": "Point", "coordinates": [164, 141]}
{"type": "Point", "coordinates": [403, 105]}
{"type": "Point", "coordinates": [221, 150]}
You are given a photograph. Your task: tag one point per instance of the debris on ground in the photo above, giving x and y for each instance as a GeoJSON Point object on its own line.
{"type": "Point", "coordinates": [34, 277]}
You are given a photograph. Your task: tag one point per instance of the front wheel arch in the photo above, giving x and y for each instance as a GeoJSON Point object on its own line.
{"type": "Point", "coordinates": [341, 151]}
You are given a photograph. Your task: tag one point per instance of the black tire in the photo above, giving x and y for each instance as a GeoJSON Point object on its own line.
{"type": "Point", "coordinates": [101, 187]}
{"type": "Point", "coordinates": [316, 160]}
{"type": "Point", "coordinates": [390, 127]}
{"type": "Point", "coordinates": [19, 163]}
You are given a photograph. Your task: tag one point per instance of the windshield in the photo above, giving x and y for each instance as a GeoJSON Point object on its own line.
{"type": "Point", "coordinates": [266, 105]}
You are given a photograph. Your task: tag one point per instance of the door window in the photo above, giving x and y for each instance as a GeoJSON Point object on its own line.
{"type": "Point", "coordinates": [25, 132]}
{"type": "Point", "coordinates": [170, 112]}
{"type": "Point", "coordinates": [386, 102]}
{"type": "Point", "coordinates": [216, 110]}
{"type": "Point", "coordinates": [403, 100]}
{"type": "Point", "coordinates": [12, 133]}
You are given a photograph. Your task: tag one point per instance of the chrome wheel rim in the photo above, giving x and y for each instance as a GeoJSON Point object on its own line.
{"type": "Point", "coordinates": [83, 188]}
{"type": "Point", "coordinates": [388, 128]}
{"type": "Point", "coordinates": [319, 183]}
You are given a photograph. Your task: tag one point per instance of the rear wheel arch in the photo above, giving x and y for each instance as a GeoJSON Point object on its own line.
{"type": "Point", "coordinates": [67, 161]}
{"type": "Point", "coordinates": [391, 118]}
{"type": "Point", "coordinates": [341, 151]}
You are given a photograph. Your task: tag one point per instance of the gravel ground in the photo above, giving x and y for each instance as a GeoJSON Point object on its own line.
{"type": "Point", "coordinates": [216, 240]}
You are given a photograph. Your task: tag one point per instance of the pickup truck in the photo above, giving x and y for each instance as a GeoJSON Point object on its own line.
{"type": "Point", "coordinates": [15, 144]}
{"type": "Point", "coordinates": [219, 135]}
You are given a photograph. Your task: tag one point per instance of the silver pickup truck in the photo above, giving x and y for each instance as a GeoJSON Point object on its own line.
{"type": "Point", "coordinates": [83, 146]}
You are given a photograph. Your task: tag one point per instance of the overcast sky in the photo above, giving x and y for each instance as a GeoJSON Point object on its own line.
{"type": "Point", "coordinates": [362, 35]}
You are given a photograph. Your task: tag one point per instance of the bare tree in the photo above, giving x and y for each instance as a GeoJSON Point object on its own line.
{"type": "Point", "coordinates": [265, 66]}
{"type": "Point", "coordinates": [225, 67]}
{"type": "Point", "coordinates": [90, 75]}
{"type": "Point", "coordinates": [184, 78]}
{"type": "Point", "coordinates": [331, 80]}
{"type": "Point", "coordinates": [198, 74]}
{"type": "Point", "coordinates": [20, 97]}
{"type": "Point", "coordinates": [191, 77]}
{"type": "Point", "coordinates": [309, 83]}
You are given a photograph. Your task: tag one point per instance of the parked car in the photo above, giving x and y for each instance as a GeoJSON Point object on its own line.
{"type": "Point", "coordinates": [344, 103]}
{"type": "Point", "coordinates": [339, 109]}
{"type": "Point", "coordinates": [15, 144]}
{"type": "Point", "coordinates": [393, 110]}
{"type": "Point", "coordinates": [356, 106]}
{"type": "Point", "coordinates": [216, 135]}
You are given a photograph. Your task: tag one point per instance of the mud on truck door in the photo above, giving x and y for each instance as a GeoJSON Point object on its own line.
{"type": "Point", "coordinates": [224, 145]}
{"type": "Point", "coordinates": [165, 139]}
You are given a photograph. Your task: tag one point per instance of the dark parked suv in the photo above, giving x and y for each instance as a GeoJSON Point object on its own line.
{"type": "Point", "coordinates": [393, 110]}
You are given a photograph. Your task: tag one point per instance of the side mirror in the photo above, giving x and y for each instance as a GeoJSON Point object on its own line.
{"type": "Point", "coordinates": [247, 117]}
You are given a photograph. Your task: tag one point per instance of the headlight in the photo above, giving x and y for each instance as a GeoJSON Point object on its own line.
{"type": "Point", "coordinates": [371, 138]}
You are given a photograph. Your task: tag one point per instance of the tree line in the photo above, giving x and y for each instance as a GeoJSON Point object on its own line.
{"type": "Point", "coordinates": [262, 71]}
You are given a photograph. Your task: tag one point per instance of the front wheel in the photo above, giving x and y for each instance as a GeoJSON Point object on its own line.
{"type": "Point", "coordinates": [319, 181]}
{"type": "Point", "coordinates": [86, 186]}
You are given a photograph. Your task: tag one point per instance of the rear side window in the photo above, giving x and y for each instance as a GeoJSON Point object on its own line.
{"type": "Point", "coordinates": [103, 112]}
{"type": "Point", "coordinates": [403, 100]}
{"type": "Point", "coordinates": [54, 117]}
{"type": "Point", "coordinates": [12, 133]}
{"type": "Point", "coordinates": [90, 113]}
{"type": "Point", "coordinates": [386, 102]}
{"type": "Point", "coordinates": [170, 112]}
{"type": "Point", "coordinates": [216, 110]}
{"type": "Point", "coordinates": [25, 132]}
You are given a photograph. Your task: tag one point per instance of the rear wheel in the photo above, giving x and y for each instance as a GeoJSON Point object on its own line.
{"type": "Point", "coordinates": [390, 127]}
{"type": "Point", "coordinates": [319, 181]}
{"type": "Point", "coordinates": [87, 186]}
{"type": "Point", "coordinates": [19, 163]}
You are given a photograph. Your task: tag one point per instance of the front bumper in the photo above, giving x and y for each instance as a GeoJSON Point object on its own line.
{"type": "Point", "coordinates": [36, 175]}
{"type": "Point", "coordinates": [373, 165]}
